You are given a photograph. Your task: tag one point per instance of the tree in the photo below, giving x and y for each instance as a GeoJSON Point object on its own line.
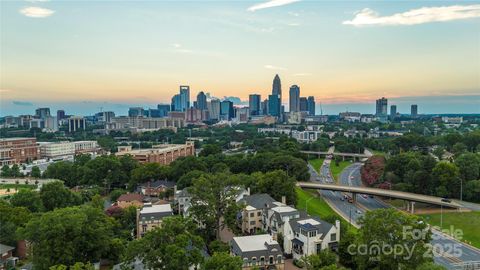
{"type": "Point", "coordinates": [116, 193]}
{"type": "Point", "coordinates": [472, 191]}
{"type": "Point", "coordinates": [344, 255]}
{"type": "Point", "coordinates": [36, 173]}
{"type": "Point", "coordinates": [430, 266]}
{"type": "Point", "coordinates": [222, 261]}
{"type": "Point", "coordinates": [6, 172]}
{"type": "Point", "coordinates": [174, 246]}
{"type": "Point", "coordinates": [148, 172]}
{"type": "Point", "coordinates": [55, 195]}
{"type": "Point", "coordinates": [69, 235]}
{"type": "Point", "coordinates": [76, 266]}
{"type": "Point", "coordinates": [438, 152]}
{"type": "Point", "coordinates": [277, 184]}
{"type": "Point", "coordinates": [29, 199]}
{"type": "Point", "coordinates": [459, 148]}
{"type": "Point", "coordinates": [218, 246]}
{"type": "Point", "coordinates": [318, 261]}
{"type": "Point", "coordinates": [213, 201]}
{"type": "Point", "coordinates": [15, 171]}
{"type": "Point", "coordinates": [398, 230]}
{"type": "Point", "coordinates": [11, 218]}
{"type": "Point", "coordinates": [447, 177]}
{"type": "Point", "coordinates": [210, 149]}
{"type": "Point", "coordinates": [469, 166]}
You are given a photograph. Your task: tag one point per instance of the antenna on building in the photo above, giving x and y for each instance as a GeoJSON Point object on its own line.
{"type": "Point", "coordinates": [321, 109]}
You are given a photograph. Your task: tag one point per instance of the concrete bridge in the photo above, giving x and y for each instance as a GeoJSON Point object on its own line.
{"type": "Point", "coordinates": [355, 156]}
{"type": "Point", "coordinates": [407, 196]}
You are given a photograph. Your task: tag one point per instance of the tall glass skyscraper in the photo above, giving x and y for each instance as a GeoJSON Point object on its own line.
{"type": "Point", "coordinates": [273, 105]}
{"type": "Point", "coordinates": [184, 97]}
{"type": "Point", "coordinates": [381, 107]}
{"type": "Point", "coordinates": [311, 105]}
{"type": "Point", "coordinates": [254, 104]}
{"type": "Point", "coordinates": [294, 98]}
{"type": "Point", "coordinates": [226, 110]}
{"type": "Point", "coordinates": [276, 90]}
{"type": "Point", "coordinates": [201, 101]}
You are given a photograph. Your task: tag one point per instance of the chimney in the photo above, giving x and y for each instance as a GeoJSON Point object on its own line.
{"type": "Point", "coordinates": [248, 191]}
{"type": "Point", "coordinates": [175, 190]}
{"type": "Point", "coordinates": [337, 224]}
{"type": "Point", "coordinates": [284, 200]}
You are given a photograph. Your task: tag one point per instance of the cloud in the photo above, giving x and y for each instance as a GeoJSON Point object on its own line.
{"type": "Point", "coordinates": [415, 16]}
{"type": "Point", "coordinates": [22, 103]}
{"type": "Point", "coordinates": [271, 3]}
{"type": "Point", "coordinates": [5, 90]}
{"type": "Point", "coordinates": [293, 24]}
{"type": "Point", "coordinates": [302, 74]}
{"type": "Point", "coordinates": [36, 12]}
{"type": "Point", "coordinates": [274, 67]}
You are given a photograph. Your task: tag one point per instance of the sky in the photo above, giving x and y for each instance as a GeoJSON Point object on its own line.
{"type": "Point", "coordinates": [83, 56]}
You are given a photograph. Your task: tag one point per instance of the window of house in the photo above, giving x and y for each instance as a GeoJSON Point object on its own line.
{"type": "Point", "coordinates": [270, 260]}
{"type": "Point", "coordinates": [245, 261]}
{"type": "Point", "coordinates": [279, 259]}
{"type": "Point", "coordinates": [144, 227]}
{"type": "Point", "coordinates": [333, 237]}
{"type": "Point", "coordinates": [262, 260]}
{"type": "Point", "coordinates": [259, 213]}
{"type": "Point", "coordinates": [252, 214]}
{"type": "Point", "coordinates": [252, 222]}
{"type": "Point", "coordinates": [312, 234]}
{"type": "Point", "coordinates": [254, 260]}
{"type": "Point", "coordinates": [319, 248]}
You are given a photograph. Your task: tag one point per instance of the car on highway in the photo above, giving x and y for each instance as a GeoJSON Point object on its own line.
{"type": "Point", "coordinates": [364, 196]}
{"type": "Point", "coordinates": [446, 200]}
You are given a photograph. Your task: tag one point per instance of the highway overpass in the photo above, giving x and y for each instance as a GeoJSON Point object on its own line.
{"type": "Point", "coordinates": [344, 155]}
{"type": "Point", "coordinates": [407, 196]}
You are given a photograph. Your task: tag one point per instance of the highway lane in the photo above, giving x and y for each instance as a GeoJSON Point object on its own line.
{"type": "Point", "coordinates": [452, 250]}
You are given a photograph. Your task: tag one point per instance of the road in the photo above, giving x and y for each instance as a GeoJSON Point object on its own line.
{"type": "Point", "coordinates": [351, 176]}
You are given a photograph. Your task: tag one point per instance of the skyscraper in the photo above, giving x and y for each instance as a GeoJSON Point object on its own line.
{"type": "Point", "coordinates": [60, 115]}
{"type": "Point", "coordinates": [214, 109]}
{"type": "Point", "coordinates": [294, 98]}
{"type": "Point", "coordinates": [381, 107]}
{"type": "Point", "coordinates": [42, 112]}
{"type": "Point", "coordinates": [274, 105]}
{"type": "Point", "coordinates": [135, 111]}
{"type": "Point", "coordinates": [277, 90]}
{"type": "Point", "coordinates": [265, 107]}
{"type": "Point", "coordinates": [254, 104]}
{"type": "Point", "coordinates": [303, 104]}
{"type": "Point", "coordinates": [201, 101]}
{"type": "Point", "coordinates": [226, 110]}
{"type": "Point", "coordinates": [414, 110]}
{"type": "Point", "coordinates": [163, 109]}
{"type": "Point", "coordinates": [311, 105]}
{"type": "Point", "coordinates": [177, 103]}
{"type": "Point", "coordinates": [393, 111]}
{"type": "Point", "coordinates": [184, 97]}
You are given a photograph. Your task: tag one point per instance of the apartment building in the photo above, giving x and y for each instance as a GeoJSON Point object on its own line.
{"type": "Point", "coordinates": [54, 150]}
{"type": "Point", "coordinates": [253, 218]}
{"type": "Point", "coordinates": [258, 251]}
{"type": "Point", "coordinates": [18, 150]}
{"type": "Point", "coordinates": [82, 147]}
{"type": "Point", "coordinates": [163, 154]}
{"type": "Point", "coordinates": [151, 217]}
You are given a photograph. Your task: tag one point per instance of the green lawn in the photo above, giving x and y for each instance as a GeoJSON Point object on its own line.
{"type": "Point", "coordinates": [316, 163]}
{"type": "Point", "coordinates": [468, 222]}
{"type": "Point", "coordinates": [337, 170]}
{"type": "Point", "coordinates": [316, 206]}
{"type": "Point", "coordinates": [17, 186]}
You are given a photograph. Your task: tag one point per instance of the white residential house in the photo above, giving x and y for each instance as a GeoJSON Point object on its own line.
{"type": "Point", "coordinates": [310, 235]}
{"type": "Point", "coordinates": [277, 216]}
{"type": "Point", "coordinates": [258, 251]}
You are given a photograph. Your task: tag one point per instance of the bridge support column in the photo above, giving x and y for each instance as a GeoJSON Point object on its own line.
{"type": "Point", "coordinates": [412, 207]}
{"type": "Point", "coordinates": [343, 158]}
{"type": "Point", "coordinates": [354, 197]}
{"type": "Point", "coordinates": [407, 206]}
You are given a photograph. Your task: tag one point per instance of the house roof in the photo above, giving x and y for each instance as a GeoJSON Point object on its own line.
{"type": "Point", "coordinates": [258, 201]}
{"type": "Point", "coordinates": [254, 242]}
{"type": "Point", "coordinates": [155, 211]}
{"type": "Point", "coordinates": [5, 248]}
{"type": "Point", "coordinates": [159, 183]}
{"type": "Point", "coordinates": [309, 224]}
{"type": "Point", "coordinates": [129, 197]}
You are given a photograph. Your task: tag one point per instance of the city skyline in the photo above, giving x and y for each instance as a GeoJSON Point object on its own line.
{"type": "Point", "coordinates": [345, 54]}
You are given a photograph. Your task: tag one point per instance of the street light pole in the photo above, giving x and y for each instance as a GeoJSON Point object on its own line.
{"type": "Point", "coordinates": [441, 217]}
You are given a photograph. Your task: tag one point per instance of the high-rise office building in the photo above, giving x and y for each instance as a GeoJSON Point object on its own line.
{"type": "Point", "coordinates": [265, 107]}
{"type": "Point", "coordinates": [163, 109]}
{"type": "Point", "coordinates": [414, 110]}
{"type": "Point", "coordinates": [184, 97]}
{"type": "Point", "coordinates": [303, 104]}
{"type": "Point", "coordinates": [277, 90]}
{"type": "Point", "coordinates": [226, 110]}
{"type": "Point", "coordinates": [176, 103]}
{"type": "Point", "coordinates": [381, 107]}
{"type": "Point", "coordinates": [311, 105]}
{"type": "Point", "coordinates": [294, 98]}
{"type": "Point", "coordinates": [274, 105]}
{"type": "Point", "coordinates": [254, 104]}
{"type": "Point", "coordinates": [135, 111]}
{"type": "Point", "coordinates": [42, 112]}
{"type": "Point", "coordinates": [60, 115]}
{"type": "Point", "coordinates": [393, 111]}
{"type": "Point", "coordinates": [201, 101]}
{"type": "Point", "coordinates": [214, 109]}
